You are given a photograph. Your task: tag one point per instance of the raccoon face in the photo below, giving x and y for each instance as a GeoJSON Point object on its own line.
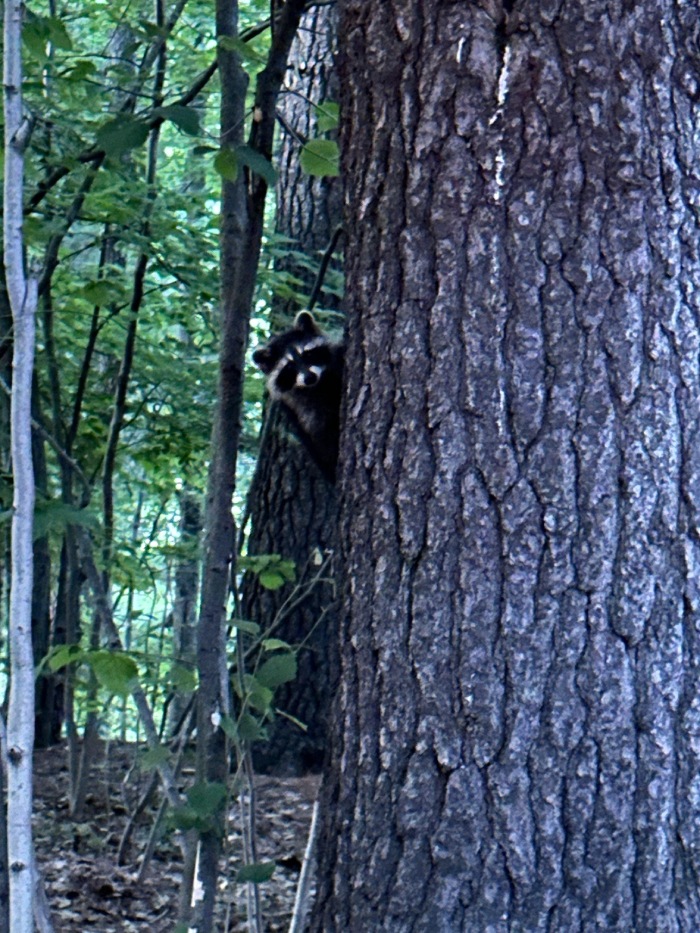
{"type": "Point", "coordinates": [301, 367]}
{"type": "Point", "coordinates": [297, 359]}
{"type": "Point", "coordinates": [304, 372]}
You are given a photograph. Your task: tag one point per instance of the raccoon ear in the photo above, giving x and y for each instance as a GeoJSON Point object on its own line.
{"type": "Point", "coordinates": [305, 322]}
{"type": "Point", "coordinates": [263, 358]}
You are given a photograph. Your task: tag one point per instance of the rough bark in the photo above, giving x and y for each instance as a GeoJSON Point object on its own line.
{"type": "Point", "coordinates": [293, 509]}
{"type": "Point", "coordinates": [518, 716]}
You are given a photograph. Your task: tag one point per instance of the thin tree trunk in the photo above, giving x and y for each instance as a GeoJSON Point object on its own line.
{"type": "Point", "coordinates": [22, 291]}
{"type": "Point", "coordinates": [4, 860]}
{"type": "Point", "coordinates": [46, 729]}
{"type": "Point", "coordinates": [186, 589]}
{"type": "Point", "coordinates": [242, 216]}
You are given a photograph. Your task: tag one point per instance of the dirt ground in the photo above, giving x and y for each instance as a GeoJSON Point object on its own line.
{"type": "Point", "coordinates": [86, 889]}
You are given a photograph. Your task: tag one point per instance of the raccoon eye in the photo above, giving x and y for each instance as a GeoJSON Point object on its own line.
{"type": "Point", "coordinates": [286, 378]}
{"type": "Point", "coordinates": [317, 356]}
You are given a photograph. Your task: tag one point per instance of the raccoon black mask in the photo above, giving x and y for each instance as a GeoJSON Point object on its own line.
{"type": "Point", "coordinates": [304, 372]}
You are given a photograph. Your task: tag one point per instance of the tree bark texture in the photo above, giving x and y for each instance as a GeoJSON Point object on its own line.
{"type": "Point", "coordinates": [22, 292]}
{"type": "Point", "coordinates": [293, 509]}
{"type": "Point", "coordinates": [212, 696]}
{"type": "Point", "coordinates": [186, 588]}
{"type": "Point", "coordinates": [518, 717]}
{"type": "Point", "coordinates": [296, 515]}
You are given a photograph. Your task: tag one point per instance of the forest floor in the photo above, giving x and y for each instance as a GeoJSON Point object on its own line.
{"type": "Point", "coordinates": [89, 893]}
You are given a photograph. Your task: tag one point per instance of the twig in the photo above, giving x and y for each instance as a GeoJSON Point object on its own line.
{"type": "Point", "coordinates": [53, 443]}
{"type": "Point", "coordinates": [301, 900]}
{"type": "Point", "coordinates": [42, 912]}
{"type": "Point", "coordinates": [247, 804]}
{"type": "Point", "coordinates": [103, 608]}
{"type": "Point", "coordinates": [250, 840]}
{"type": "Point", "coordinates": [323, 268]}
{"type": "Point", "coordinates": [93, 155]}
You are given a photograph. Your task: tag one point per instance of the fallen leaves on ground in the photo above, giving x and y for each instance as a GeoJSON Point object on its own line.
{"type": "Point", "coordinates": [86, 889]}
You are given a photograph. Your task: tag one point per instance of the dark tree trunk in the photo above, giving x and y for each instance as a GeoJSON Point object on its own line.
{"type": "Point", "coordinates": [5, 468]}
{"type": "Point", "coordinates": [293, 509]}
{"type": "Point", "coordinates": [66, 631]}
{"type": "Point", "coordinates": [47, 727]}
{"type": "Point", "coordinates": [186, 589]}
{"type": "Point", "coordinates": [296, 516]}
{"type": "Point", "coordinates": [518, 716]}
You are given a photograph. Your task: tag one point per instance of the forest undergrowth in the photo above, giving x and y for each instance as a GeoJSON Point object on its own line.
{"type": "Point", "coordinates": [88, 891]}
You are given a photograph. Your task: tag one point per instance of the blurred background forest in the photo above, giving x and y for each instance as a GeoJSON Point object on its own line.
{"type": "Point", "coordinates": [122, 194]}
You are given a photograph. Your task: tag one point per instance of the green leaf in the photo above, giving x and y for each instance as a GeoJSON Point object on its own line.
{"type": "Point", "coordinates": [229, 727]}
{"type": "Point", "coordinates": [114, 670]}
{"type": "Point", "coordinates": [182, 679]}
{"type": "Point", "coordinates": [236, 44]}
{"type": "Point", "coordinates": [277, 670]}
{"type": "Point", "coordinates": [272, 644]}
{"type": "Point", "coordinates": [58, 34]}
{"type": "Point", "coordinates": [271, 580]}
{"type": "Point", "coordinates": [320, 157]}
{"type": "Point", "coordinates": [272, 570]}
{"type": "Point", "coordinates": [206, 798]}
{"type": "Point", "coordinates": [249, 729]}
{"type": "Point", "coordinates": [226, 164]}
{"type": "Point", "coordinates": [34, 37]}
{"type": "Point", "coordinates": [257, 695]}
{"type": "Point", "coordinates": [98, 292]}
{"type": "Point", "coordinates": [257, 163]}
{"type": "Point", "coordinates": [121, 134]}
{"type": "Point", "coordinates": [153, 30]}
{"type": "Point", "coordinates": [61, 656]}
{"type": "Point", "coordinates": [53, 515]}
{"type": "Point", "coordinates": [81, 69]}
{"type": "Point", "coordinates": [257, 873]}
{"type": "Point", "coordinates": [251, 628]}
{"type": "Point", "coordinates": [185, 818]}
{"type": "Point", "coordinates": [184, 118]}
{"type": "Point", "coordinates": [246, 729]}
{"type": "Point", "coordinates": [327, 116]}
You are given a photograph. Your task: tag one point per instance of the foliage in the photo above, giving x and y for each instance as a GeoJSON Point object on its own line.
{"type": "Point", "coordinates": [89, 83]}
{"type": "Point", "coordinates": [123, 174]}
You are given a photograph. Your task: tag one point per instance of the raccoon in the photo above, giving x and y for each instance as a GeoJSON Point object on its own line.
{"type": "Point", "coordinates": [304, 370]}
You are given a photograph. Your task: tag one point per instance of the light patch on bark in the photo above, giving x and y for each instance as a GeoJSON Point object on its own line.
{"type": "Point", "coordinates": [501, 95]}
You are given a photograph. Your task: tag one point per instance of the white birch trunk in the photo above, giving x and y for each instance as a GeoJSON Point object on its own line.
{"type": "Point", "coordinates": [23, 296]}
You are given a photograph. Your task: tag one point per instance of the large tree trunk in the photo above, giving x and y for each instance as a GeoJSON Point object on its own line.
{"type": "Point", "coordinates": [293, 508]}
{"type": "Point", "coordinates": [518, 717]}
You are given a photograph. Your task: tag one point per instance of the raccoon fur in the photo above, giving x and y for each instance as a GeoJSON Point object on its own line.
{"type": "Point", "coordinates": [304, 370]}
